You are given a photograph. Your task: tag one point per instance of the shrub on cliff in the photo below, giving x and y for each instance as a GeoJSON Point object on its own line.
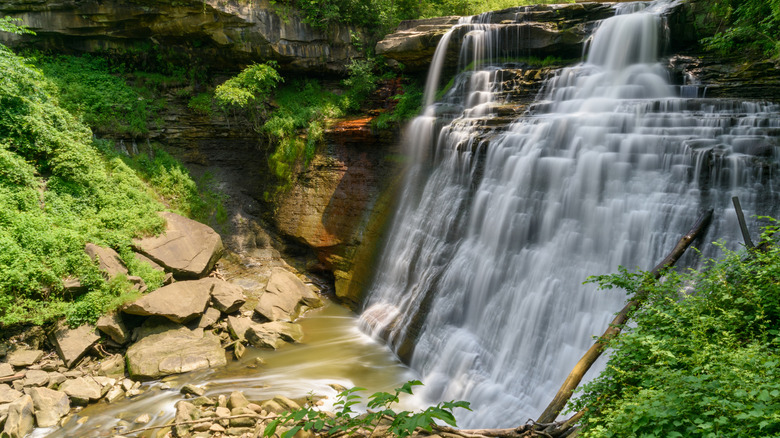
{"type": "Point", "coordinates": [57, 192]}
{"type": "Point", "coordinates": [702, 360]}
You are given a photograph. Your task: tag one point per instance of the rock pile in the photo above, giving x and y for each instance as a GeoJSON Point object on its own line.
{"type": "Point", "coordinates": [183, 326]}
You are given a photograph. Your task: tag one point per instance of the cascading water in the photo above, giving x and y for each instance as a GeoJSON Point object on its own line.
{"type": "Point", "coordinates": [480, 283]}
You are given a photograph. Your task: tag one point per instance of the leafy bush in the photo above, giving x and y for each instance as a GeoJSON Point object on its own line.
{"type": "Point", "coordinates": [408, 106]}
{"type": "Point", "coordinates": [57, 192]}
{"type": "Point", "coordinates": [346, 420]}
{"type": "Point", "coordinates": [752, 25]}
{"type": "Point", "coordinates": [702, 360]}
{"type": "Point", "coordinates": [252, 86]}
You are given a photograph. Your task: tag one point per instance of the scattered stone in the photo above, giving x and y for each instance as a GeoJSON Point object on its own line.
{"type": "Point", "coordinates": [202, 427]}
{"type": "Point", "coordinates": [73, 344]}
{"type": "Point", "coordinates": [72, 374]}
{"type": "Point", "coordinates": [238, 325]}
{"type": "Point", "coordinates": [192, 389]}
{"type": "Point", "coordinates": [24, 358]}
{"type": "Point", "coordinates": [112, 366]}
{"type": "Point", "coordinates": [226, 297]}
{"type": "Point", "coordinates": [143, 419]}
{"type": "Point", "coordinates": [20, 420]}
{"type": "Point", "coordinates": [6, 370]}
{"type": "Point", "coordinates": [180, 302]}
{"type": "Point", "coordinates": [273, 334]}
{"type": "Point", "coordinates": [242, 421]}
{"type": "Point", "coordinates": [237, 400]}
{"type": "Point", "coordinates": [272, 406]}
{"type": "Point", "coordinates": [216, 428]}
{"type": "Point", "coordinates": [209, 317]}
{"type": "Point", "coordinates": [114, 394]}
{"type": "Point", "coordinates": [55, 379]}
{"type": "Point", "coordinates": [239, 431]}
{"type": "Point", "coordinates": [107, 259]}
{"type": "Point", "coordinates": [51, 365]}
{"type": "Point", "coordinates": [36, 378]}
{"type": "Point", "coordinates": [8, 394]}
{"type": "Point", "coordinates": [187, 248]}
{"type": "Point", "coordinates": [105, 382]}
{"type": "Point", "coordinates": [174, 351]}
{"type": "Point", "coordinates": [127, 384]}
{"type": "Point", "coordinates": [286, 403]}
{"type": "Point", "coordinates": [133, 392]}
{"type": "Point", "coordinates": [82, 390]}
{"type": "Point", "coordinates": [203, 401]}
{"type": "Point", "coordinates": [185, 412]}
{"type": "Point", "coordinates": [114, 327]}
{"type": "Point", "coordinates": [238, 350]}
{"type": "Point", "coordinates": [50, 405]}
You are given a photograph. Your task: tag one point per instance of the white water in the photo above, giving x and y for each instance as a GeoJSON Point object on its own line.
{"type": "Point", "coordinates": [491, 243]}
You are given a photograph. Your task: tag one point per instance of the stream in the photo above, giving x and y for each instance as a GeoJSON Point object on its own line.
{"type": "Point", "coordinates": [334, 351]}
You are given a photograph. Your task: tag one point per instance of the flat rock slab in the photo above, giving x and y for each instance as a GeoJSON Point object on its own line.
{"type": "Point", "coordinates": [73, 344]}
{"type": "Point", "coordinates": [174, 351]}
{"type": "Point", "coordinates": [112, 325]}
{"type": "Point", "coordinates": [188, 248]}
{"type": "Point", "coordinates": [6, 370]}
{"type": "Point", "coordinates": [180, 302]}
{"type": "Point", "coordinates": [24, 358]}
{"type": "Point", "coordinates": [273, 334]}
{"type": "Point", "coordinates": [82, 390]}
{"type": "Point", "coordinates": [107, 259]}
{"type": "Point", "coordinates": [8, 394]}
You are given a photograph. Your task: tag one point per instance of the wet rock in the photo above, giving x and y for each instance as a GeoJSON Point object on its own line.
{"type": "Point", "coordinates": [143, 419]}
{"type": "Point", "coordinates": [24, 358]}
{"type": "Point", "coordinates": [273, 334]}
{"type": "Point", "coordinates": [50, 405]}
{"type": "Point", "coordinates": [237, 325]}
{"type": "Point", "coordinates": [179, 302]}
{"type": "Point", "coordinates": [286, 403]}
{"type": "Point", "coordinates": [20, 420]}
{"type": "Point", "coordinates": [8, 394]}
{"type": "Point", "coordinates": [73, 344]}
{"type": "Point", "coordinates": [192, 390]}
{"type": "Point", "coordinates": [36, 378]}
{"type": "Point", "coordinates": [237, 400]}
{"type": "Point", "coordinates": [107, 259]}
{"type": "Point", "coordinates": [188, 248]}
{"type": "Point", "coordinates": [242, 421]}
{"type": "Point", "coordinates": [185, 412]}
{"type": "Point", "coordinates": [6, 370]}
{"type": "Point", "coordinates": [114, 394]}
{"type": "Point", "coordinates": [114, 327]}
{"type": "Point", "coordinates": [82, 390]}
{"type": "Point", "coordinates": [203, 401]}
{"type": "Point", "coordinates": [226, 297]}
{"type": "Point", "coordinates": [112, 366]}
{"type": "Point", "coordinates": [174, 351]}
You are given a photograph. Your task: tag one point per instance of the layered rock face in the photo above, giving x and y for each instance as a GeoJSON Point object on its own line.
{"type": "Point", "coordinates": [223, 33]}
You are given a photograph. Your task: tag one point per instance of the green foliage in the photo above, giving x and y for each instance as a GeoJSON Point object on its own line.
{"type": "Point", "coordinates": [360, 83]}
{"type": "Point", "coordinates": [201, 103]}
{"type": "Point", "coordinates": [250, 87]}
{"type": "Point", "coordinates": [57, 192]}
{"type": "Point", "coordinates": [408, 106]}
{"type": "Point", "coordinates": [401, 424]}
{"type": "Point", "coordinates": [8, 24]}
{"type": "Point", "coordinates": [102, 99]}
{"type": "Point", "coordinates": [702, 360]}
{"type": "Point", "coordinates": [751, 25]}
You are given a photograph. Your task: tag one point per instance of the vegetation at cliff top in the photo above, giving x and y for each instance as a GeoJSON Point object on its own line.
{"type": "Point", "coordinates": [746, 25]}
{"type": "Point", "coordinates": [59, 189]}
{"type": "Point", "coordinates": [702, 359]}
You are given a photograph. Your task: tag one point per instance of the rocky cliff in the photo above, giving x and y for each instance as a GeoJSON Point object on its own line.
{"type": "Point", "coordinates": [221, 33]}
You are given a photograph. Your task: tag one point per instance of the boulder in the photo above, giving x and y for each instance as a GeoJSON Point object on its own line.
{"type": "Point", "coordinates": [188, 248]}
{"type": "Point", "coordinates": [107, 259]}
{"type": "Point", "coordinates": [49, 405]}
{"type": "Point", "coordinates": [73, 344]}
{"type": "Point", "coordinates": [20, 420]}
{"type": "Point", "coordinates": [226, 297]}
{"type": "Point", "coordinates": [285, 295]}
{"type": "Point", "coordinates": [273, 334]}
{"type": "Point", "coordinates": [112, 366]}
{"type": "Point", "coordinates": [174, 351]}
{"type": "Point", "coordinates": [24, 358]}
{"type": "Point", "coordinates": [237, 399]}
{"type": "Point", "coordinates": [180, 302]}
{"type": "Point", "coordinates": [114, 327]}
{"type": "Point", "coordinates": [185, 412]}
{"type": "Point", "coordinates": [237, 325]}
{"type": "Point", "coordinates": [8, 394]}
{"type": "Point", "coordinates": [82, 390]}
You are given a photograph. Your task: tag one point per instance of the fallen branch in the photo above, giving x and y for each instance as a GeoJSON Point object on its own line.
{"type": "Point", "coordinates": [201, 420]}
{"type": "Point", "coordinates": [575, 376]}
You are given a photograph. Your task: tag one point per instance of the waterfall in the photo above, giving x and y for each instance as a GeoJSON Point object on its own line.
{"type": "Point", "coordinates": [480, 283]}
